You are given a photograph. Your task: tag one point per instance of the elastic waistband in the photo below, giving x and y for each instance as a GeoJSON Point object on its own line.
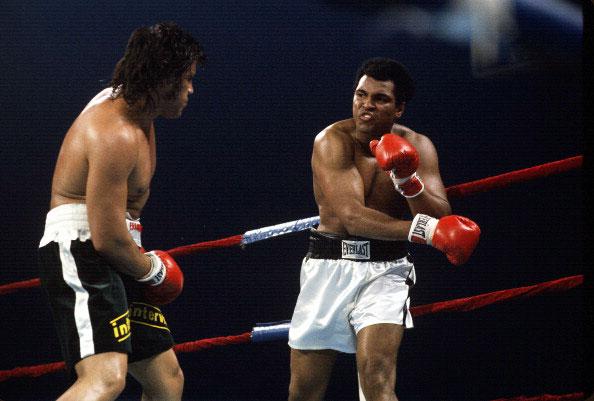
{"type": "Point", "coordinates": [332, 246]}
{"type": "Point", "coordinates": [73, 215]}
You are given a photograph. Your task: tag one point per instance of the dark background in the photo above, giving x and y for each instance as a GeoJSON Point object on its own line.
{"type": "Point", "coordinates": [238, 159]}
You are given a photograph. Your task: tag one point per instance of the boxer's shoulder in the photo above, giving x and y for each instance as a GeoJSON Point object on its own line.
{"type": "Point", "coordinates": [420, 141]}
{"type": "Point", "coordinates": [103, 124]}
{"type": "Point", "coordinates": [339, 134]}
{"type": "Point", "coordinates": [335, 144]}
{"type": "Point", "coordinates": [405, 132]}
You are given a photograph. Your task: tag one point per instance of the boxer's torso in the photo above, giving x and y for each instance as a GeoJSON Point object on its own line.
{"type": "Point", "coordinates": [379, 190]}
{"type": "Point", "coordinates": [101, 118]}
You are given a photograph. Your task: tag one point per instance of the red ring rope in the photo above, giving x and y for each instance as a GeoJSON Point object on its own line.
{"type": "Point", "coordinates": [455, 305]}
{"type": "Point", "coordinates": [456, 191]}
{"type": "Point", "coordinates": [462, 304]}
{"type": "Point", "coordinates": [504, 180]}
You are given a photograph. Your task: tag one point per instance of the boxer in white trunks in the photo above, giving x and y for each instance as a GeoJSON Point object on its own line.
{"type": "Point", "coordinates": [368, 173]}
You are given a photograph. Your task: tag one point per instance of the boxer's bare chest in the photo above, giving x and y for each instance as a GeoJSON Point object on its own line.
{"type": "Point", "coordinates": [380, 193]}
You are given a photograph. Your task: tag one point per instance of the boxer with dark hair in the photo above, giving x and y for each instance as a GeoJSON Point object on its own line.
{"type": "Point", "coordinates": [368, 173]}
{"type": "Point", "coordinates": [105, 292]}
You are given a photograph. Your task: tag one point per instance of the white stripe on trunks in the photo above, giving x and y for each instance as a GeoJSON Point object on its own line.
{"type": "Point", "coordinates": [82, 317]}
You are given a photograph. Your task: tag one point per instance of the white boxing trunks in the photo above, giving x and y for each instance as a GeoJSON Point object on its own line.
{"type": "Point", "coordinates": [346, 285]}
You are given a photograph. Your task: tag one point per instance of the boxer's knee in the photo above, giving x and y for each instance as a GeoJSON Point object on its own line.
{"type": "Point", "coordinates": [176, 380]}
{"type": "Point", "coordinates": [103, 375]}
{"type": "Point", "coordinates": [304, 390]}
{"type": "Point", "coordinates": [377, 376]}
{"type": "Point", "coordinates": [307, 385]}
{"type": "Point", "coordinates": [110, 384]}
{"type": "Point", "coordinates": [160, 376]}
{"type": "Point", "coordinates": [170, 387]}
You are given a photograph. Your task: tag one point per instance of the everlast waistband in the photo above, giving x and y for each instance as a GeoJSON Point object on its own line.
{"type": "Point", "coordinates": [332, 246]}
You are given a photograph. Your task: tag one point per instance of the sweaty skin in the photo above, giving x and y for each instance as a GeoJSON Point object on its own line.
{"type": "Point", "coordinates": [107, 161]}
{"type": "Point", "coordinates": [353, 194]}
{"type": "Point", "coordinates": [103, 133]}
{"type": "Point", "coordinates": [355, 197]}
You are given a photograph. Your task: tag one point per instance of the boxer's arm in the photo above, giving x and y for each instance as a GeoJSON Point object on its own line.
{"type": "Point", "coordinates": [433, 200]}
{"type": "Point", "coordinates": [342, 189]}
{"type": "Point", "coordinates": [111, 159]}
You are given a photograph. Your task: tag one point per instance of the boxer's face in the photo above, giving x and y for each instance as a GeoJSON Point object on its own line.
{"type": "Point", "coordinates": [173, 108]}
{"type": "Point", "coordinates": [374, 106]}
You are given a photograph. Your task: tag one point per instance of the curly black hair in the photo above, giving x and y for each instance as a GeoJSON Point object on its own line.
{"type": "Point", "coordinates": [385, 69]}
{"type": "Point", "coordinates": [155, 56]}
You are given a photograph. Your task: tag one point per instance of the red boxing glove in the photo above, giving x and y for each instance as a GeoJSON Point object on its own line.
{"type": "Point", "coordinates": [165, 279]}
{"type": "Point", "coordinates": [396, 155]}
{"type": "Point", "coordinates": [456, 236]}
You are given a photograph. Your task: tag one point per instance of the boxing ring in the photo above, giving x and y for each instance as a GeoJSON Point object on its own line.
{"type": "Point", "coordinates": [278, 331]}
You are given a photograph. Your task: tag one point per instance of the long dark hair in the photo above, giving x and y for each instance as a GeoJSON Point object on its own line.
{"type": "Point", "coordinates": [155, 56]}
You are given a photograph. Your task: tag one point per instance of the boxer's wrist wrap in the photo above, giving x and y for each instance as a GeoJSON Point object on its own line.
{"type": "Point", "coordinates": [422, 229]}
{"type": "Point", "coordinates": [157, 273]}
{"type": "Point", "coordinates": [410, 186]}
